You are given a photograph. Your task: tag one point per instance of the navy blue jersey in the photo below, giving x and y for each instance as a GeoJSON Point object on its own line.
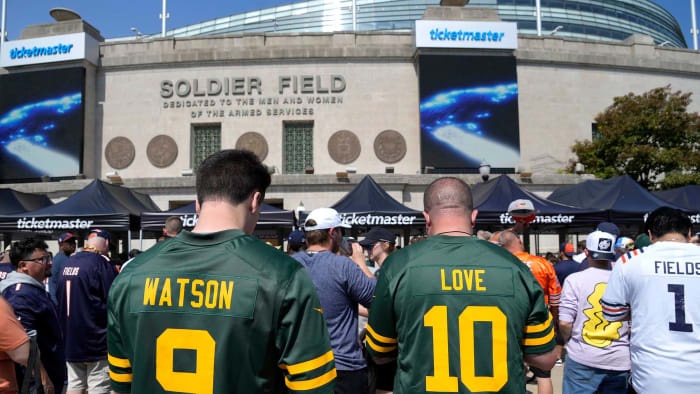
{"type": "Point", "coordinates": [82, 289]}
{"type": "Point", "coordinates": [58, 262]}
{"type": "Point", "coordinates": [565, 268]}
{"type": "Point", "coordinates": [5, 268]}
{"type": "Point", "coordinates": [36, 311]}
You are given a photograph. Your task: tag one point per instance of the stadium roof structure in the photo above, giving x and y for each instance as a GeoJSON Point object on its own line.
{"type": "Point", "coordinates": [603, 20]}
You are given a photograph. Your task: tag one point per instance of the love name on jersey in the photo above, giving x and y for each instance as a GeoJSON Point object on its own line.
{"type": "Point", "coordinates": [691, 268]}
{"type": "Point", "coordinates": [461, 280]}
{"type": "Point", "coordinates": [194, 293]}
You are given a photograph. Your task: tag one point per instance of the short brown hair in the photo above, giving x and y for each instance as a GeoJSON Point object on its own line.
{"type": "Point", "coordinates": [316, 237]}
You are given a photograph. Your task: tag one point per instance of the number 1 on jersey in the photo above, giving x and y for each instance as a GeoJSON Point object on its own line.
{"type": "Point", "coordinates": [679, 324]}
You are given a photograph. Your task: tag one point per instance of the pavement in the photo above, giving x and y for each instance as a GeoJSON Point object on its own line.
{"type": "Point", "coordinates": [557, 374]}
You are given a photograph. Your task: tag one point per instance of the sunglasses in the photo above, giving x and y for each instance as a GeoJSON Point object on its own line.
{"type": "Point", "coordinates": [40, 260]}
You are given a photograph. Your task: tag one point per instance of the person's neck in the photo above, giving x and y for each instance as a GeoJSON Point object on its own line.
{"type": "Point", "coordinates": [600, 264]}
{"type": "Point", "coordinates": [215, 216]}
{"type": "Point", "coordinates": [455, 230]}
{"type": "Point", "coordinates": [673, 237]}
{"type": "Point", "coordinates": [319, 247]}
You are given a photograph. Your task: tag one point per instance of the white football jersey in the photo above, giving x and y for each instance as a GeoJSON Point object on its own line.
{"type": "Point", "coordinates": [659, 286]}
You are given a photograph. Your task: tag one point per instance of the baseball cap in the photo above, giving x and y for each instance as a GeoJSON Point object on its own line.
{"type": "Point", "coordinates": [525, 206]}
{"type": "Point", "coordinates": [98, 233]}
{"type": "Point", "coordinates": [609, 228]}
{"type": "Point", "coordinates": [567, 248]}
{"type": "Point", "coordinates": [642, 241]}
{"type": "Point", "coordinates": [624, 242]}
{"type": "Point", "coordinates": [378, 234]}
{"type": "Point", "coordinates": [600, 245]}
{"type": "Point", "coordinates": [325, 218]}
{"type": "Point", "coordinates": [65, 237]}
{"type": "Point", "coordinates": [296, 236]}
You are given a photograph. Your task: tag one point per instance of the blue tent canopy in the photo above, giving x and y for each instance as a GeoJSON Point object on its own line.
{"type": "Point", "coordinates": [12, 201]}
{"type": "Point", "coordinates": [270, 216]}
{"type": "Point", "coordinates": [624, 200]}
{"type": "Point", "coordinates": [370, 205]}
{"type": "Point", "coordinates": [98, 205]}
{"type": "Point", "coordinates": [687, 197]}
{"type": "Point", "coordinates": [493, 197]}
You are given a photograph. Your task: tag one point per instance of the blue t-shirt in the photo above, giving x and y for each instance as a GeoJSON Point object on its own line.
{"type": "Point", "coordinates": [57, 266]}
{"type": "Point", "coordinates": [565, 268]}
{"type": "Point", "coordinates": [83, 286]}
{"type": "Point", "coordinates": [341, 285]}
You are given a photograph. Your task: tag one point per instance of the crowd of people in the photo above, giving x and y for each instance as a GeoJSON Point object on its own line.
{"type": "Point", "coordinates": [217, 310]}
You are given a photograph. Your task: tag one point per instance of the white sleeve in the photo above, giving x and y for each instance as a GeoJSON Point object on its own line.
{"type": "Point", "coordinates": [615, 301]}
{"type": "Point", "coordinates": [568, 307]}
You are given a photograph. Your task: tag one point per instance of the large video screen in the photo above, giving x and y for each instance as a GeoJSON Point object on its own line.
{"type": "Point", "coordinates": [469, 111]}
{"type": "Point", "coordinates": [41, 124]}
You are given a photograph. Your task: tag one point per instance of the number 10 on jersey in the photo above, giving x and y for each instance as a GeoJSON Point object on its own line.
{"type": "Point", "coordinates": [441, 379]}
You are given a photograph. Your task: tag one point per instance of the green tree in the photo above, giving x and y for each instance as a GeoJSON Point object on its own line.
{"type": "Point", "coordinates": [651, 137]}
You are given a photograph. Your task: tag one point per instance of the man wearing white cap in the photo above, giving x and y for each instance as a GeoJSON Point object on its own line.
{"type": "Point", "coordinates": [341, 284]}
{"type": "Point", "coordinates": [598, 349]}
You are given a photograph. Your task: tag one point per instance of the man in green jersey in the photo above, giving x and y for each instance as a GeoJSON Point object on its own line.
{"type": "Point", "coordinates": [460, 314]}
{"type": "Point", "coordinates": [216, 310]}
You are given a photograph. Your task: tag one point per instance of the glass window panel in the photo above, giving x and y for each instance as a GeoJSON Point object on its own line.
{"type": "Point", "coordinates": [206, 140]}
{"type": "Point", "coordinates": [298, 147]}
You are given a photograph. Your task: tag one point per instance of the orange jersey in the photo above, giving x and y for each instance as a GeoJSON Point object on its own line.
{"type": "Point", "coordinates": [545, 275]}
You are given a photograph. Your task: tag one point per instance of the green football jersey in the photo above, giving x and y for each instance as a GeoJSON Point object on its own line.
{"type": "Point", "coordinates": [217, 313]}
{"type": "Point", "coordinates": [459, 312]}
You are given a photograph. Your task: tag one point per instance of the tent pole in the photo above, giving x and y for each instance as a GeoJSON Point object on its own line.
{"type": "Point", "coordinates": [141, 240]}
{"type": "Point", "coordinates": [128, 241]}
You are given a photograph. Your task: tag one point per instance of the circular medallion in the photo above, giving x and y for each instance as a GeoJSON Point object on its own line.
{"type": "Point", "coordinates": [120, 152]}
{"type": "Point", "coordinates": [162, 151]}
{"type": "Point", "coordinates": [344, 147]}
{"type": "Point", "coordinates": [253, 142]}
{"type": "Point", "coordinates": [390, 146]}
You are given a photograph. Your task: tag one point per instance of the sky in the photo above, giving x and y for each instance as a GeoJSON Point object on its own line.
{"type": "Point", "coordinates": [115, 18]}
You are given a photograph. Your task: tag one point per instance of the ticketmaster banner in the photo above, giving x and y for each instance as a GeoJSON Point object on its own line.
{"type": "Point", "coordinates": [57, 224]}
{"type": "Point", "coordinates": [459, 34]}
{"type": "Point", "coordinates": [61, 48]}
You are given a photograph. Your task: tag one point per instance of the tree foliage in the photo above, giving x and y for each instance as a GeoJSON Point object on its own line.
{"type": "Point", "coordinates": [651, 137]}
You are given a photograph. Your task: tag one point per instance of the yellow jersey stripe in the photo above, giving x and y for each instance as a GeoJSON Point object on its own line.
{"type": "Point", "coordinates": [118, 362]}
{"type": "Point", "coordinates": [311, 383]}
{"type": "Point", "coordinates": [539, 327]}
{"type": "Point", "coordinates": [380, 349]}
{"type": "Point", "coordinates": [121, 377]}
{"type": "Point", "coordinates": [538, 341]}
{"type": "Point", "coordinates": [306, 366]}
{"type": "Point", "coordinates": [380, 337]}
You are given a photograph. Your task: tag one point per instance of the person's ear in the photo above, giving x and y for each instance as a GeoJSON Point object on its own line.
{"type": "Point", "coordinates": [474, 213]}
{"type": "Point", "coordinates": [587, 253]}
{"type": "Point", "coordinates": [255, 203]}
{"type": "Point", "coordinates": [651, 237]}
{"type": "Point", "coordinates": [197, 206]}
{"type": "Point", "coordinates": [426, 215]}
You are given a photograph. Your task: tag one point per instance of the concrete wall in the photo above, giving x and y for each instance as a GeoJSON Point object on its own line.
{"type": "Point", "coordinates": [563, 84]}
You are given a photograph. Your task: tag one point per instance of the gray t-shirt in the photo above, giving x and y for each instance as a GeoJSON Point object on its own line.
{"type": "Point", "coordinates": [594, 342]}
{"type": "Point", "coordinates": [341, 285]}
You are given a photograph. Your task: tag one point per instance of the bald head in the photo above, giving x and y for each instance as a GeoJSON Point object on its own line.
{"type": "Point", "coordinates": [447, 194]}
{"type": "Point", "coordinates": [98, 243]}
{"type": "Point", "coordinates": [510, 241]}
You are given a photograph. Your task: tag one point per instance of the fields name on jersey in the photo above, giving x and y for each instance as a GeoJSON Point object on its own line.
{"type": "Point", "coordinates": [230, 296]}
{"type": "Point", "coordinates": [507, 219]}
{"type": "Point", "coordinates": [677, 268]}
{"type": "Point", "coordinates": [369, 220]}
{"type": "Point", "coordinates": [48, 224]}
{"type": "Point", "coordinates": [462, 280]}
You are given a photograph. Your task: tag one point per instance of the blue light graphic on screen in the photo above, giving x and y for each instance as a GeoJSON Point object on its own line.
{"type": "Point", "coordinates": [28, 133]}
{"type": "Point", "coordinates": [462, 120]}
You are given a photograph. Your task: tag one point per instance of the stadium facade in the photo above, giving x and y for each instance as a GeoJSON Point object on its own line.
{"type": "Point", "coordinates": [414, 90]}
{"type": "Point", "coordinates": [606, 20]}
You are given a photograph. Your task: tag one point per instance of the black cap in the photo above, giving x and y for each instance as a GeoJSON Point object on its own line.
{"type": "Point", "coordinates": [378, 234]}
